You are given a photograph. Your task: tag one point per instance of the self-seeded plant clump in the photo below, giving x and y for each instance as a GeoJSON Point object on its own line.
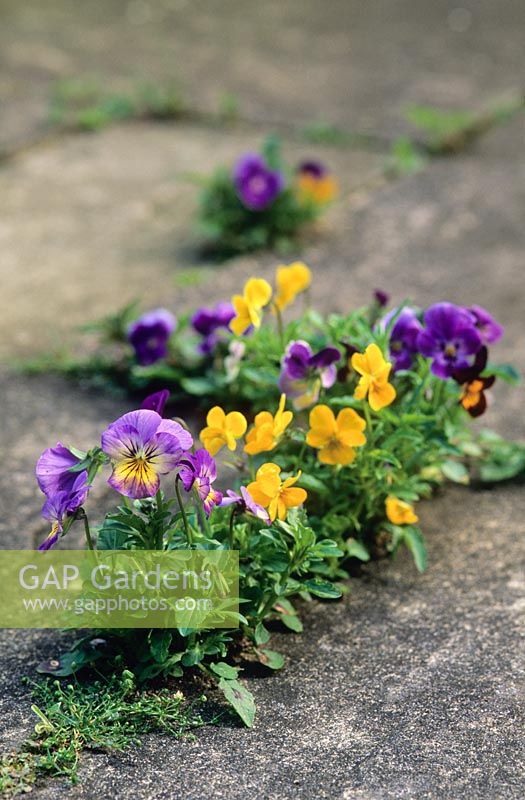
{"type": "Point", "coordinates": [262, 203]}
{"type": "Point", "coordinates": [280, 554]}
{"type": "Point", "coordinates": [362, 416]}
{"type": "Point", "coordinates": [105, 715]}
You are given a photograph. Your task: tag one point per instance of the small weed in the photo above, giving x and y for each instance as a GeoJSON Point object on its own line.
{"type": "Point", "coordinates": [104, 715]}
{"type": "Point", "coordinates": [405, 158]}
{"type": "Point", "coordinates": [87, 105]}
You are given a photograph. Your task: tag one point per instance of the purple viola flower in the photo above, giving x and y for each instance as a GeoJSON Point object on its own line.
{"type": "Point", "coordinates": [207, 321]}
{"type": "Point", "coordinates": [403, 336]}
{"type": "Point", "coordinates": [142, 446]}
{"type": "Point", "coordinates": [245, 504]}
{"type": "Point", "coordinates": [61, 505]}
{"type": "Point", "coordinates": [149, 335]}
{"type": "Point", "coordinates": [304, 372]}
{"type": "Point", "coordinates": [449, 338]}
{"type": "Point", "coordinates": [487, 327]}
{"type": "Point", "coordinates": [156, 401]}
{"type": "Point", "coordinates": [314, 168]}
{"type": "Point", "coordinates": [53, 470]}
{"type": "Point", "coordinates": [382, 298]}
{"type": "Point", "coordinates": [199, 471]}
{"type": "Point", "coordinates": [256, 184]}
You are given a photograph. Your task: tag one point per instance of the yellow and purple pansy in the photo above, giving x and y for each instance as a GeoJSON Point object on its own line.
{"type": "Point", "coordinates": [142, 446]}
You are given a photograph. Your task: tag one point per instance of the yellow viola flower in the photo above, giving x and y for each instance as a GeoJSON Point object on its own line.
{"type": "Point", "coordinates": [267, 429]}
{"type": "Point", "coordinates": [248, 306]}
{"type": "Point", "coordinates": [335, 438]}
{"type": "Point", "coordinates": [399, 512]}
{"type": "Point", "coordinates": [290, 281]}
{"type": "Point", "coordinates": [277, 496]}
{"type": "Point", "coordinates": [222, 429]}
{"type": "Point", "coordinates": [374, 371]}
{"type": "Point", "coordinates": [319, 190]}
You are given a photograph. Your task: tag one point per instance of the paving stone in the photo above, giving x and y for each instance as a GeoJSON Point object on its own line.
{"type": "Point", "coordinates": [411, 687]}
{"type": "Point", "coordinates": [350, 63]}
{"type": "Point", "coordinates": [94, 221]}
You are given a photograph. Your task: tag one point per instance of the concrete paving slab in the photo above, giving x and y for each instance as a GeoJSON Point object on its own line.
{"type": "Point", "coordinates": [411, 687]}
{"type": "Point", "coordinates": [92, 222]}
{"type": "Point", "coordinates": [354, 64]}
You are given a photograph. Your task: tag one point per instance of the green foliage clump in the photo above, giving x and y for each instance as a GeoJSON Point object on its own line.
{"type": "Point", "coordinates": [228, 227]}
{"type": "Point", "coordinates": [109, 715]}
{"type": "Point", "coordinates": [85, 104]}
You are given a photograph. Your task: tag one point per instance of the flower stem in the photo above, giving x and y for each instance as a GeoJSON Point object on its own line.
{"type": "Point", "coordinates": [368, 417]}
{"type": "Point", "coordinates": [232, 520]}
{"type": "Point", "coordinates": [205, 525]}
{"type": "Point", "coordinates": [89, 540]}
{"type": "Point", "coordinates": [183, 512]}
{"type": "Point", "coordinates": [159, 543]}
{"type": "Point", "coordinates": [280, 326]}
{"type": "Point", "coordinates": [300, 455]}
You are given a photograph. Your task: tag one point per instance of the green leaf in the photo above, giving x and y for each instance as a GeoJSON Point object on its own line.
{"type": "Point", "coordinates": [292, 622]}
{"type": "Point", "coordinates": [413, 539]}
{"type": "Point", "coordinates": [160, 645]}
{"type": "Point", "coordinates": [312, 484]}
{"type": "Point", "coordinates": [199, 387]}
{"type": "Point", "coordinates": [71, 662]}
{"type": "Point", "coordinates": [224, 670]}
{"type": "Point", "coordinates": [270, 658]}
{"type": "Point", "coordinates": [455, 471]}
{"type": "Point", "coordinates": [240, 698]}
{"type": "Point", "coordinates": [325, 549]}
{"type": "Point", "coordinates": [112, 537]}
{"type": "Point", "coordinates": [505, 372]}
{"type": "Point", "coordinates": [322, 588]}
{"type": "Point", "coordinates": [356, 549]}
{"type": "Point", "coordinates": [261, 635]}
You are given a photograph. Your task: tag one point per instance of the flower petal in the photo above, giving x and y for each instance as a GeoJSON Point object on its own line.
{"type": "Point", "coordinates": [257, 292]}
{"type": "Point", "coordinates": [322, 421]}
{"type": "Point", "coordinates": [175, 429]}
{"type": "Point", "coordinates": [134, 478]}
{"type": "Point", "coordinates": [236, 423]}
{"type": "Point", "coordinates": [215, 417]}
{"type": "Point", "coordinates": [381, 396]}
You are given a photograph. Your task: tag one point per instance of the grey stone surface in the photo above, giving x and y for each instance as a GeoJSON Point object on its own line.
{"type": "Point", "coordinates": [412, 686]}
{"type": "Point", "coordinates": [92, 222]}
{"type": "Point", "coordinates": [345, 62]}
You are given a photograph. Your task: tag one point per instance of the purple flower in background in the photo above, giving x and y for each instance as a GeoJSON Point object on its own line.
{"type": "Point", "coordinates": [207, 321]}
{"type": "Point", "coordinates": [53, 470]}
{"type": "Point", "coordinates": [382, 298]}
{"type": "Point", "coordinates": [63, 504]}
{"type": "Point", "coordinates": [403, 336]}
{"type": "Point", "coordinates": [314, 168]}
{"type": "Point", "coordinates": [245, 504]}
{"type": "Point", "coordinates": [256, 184]}
{"type": "Point", "coordinates": [489, 330]}
{"type": "Point", "coordinates": [449, 338]}
{"type": "Point", "coordinates": [199, 471]}
{"type": "Point", "coordinates": [303, 372]}
{"type": "Point", "coordinates": [142, 446]}
{"type": "Point", "coordinates": [149, 335]}
{"type": "Point", "coordinates": [156, 401]}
